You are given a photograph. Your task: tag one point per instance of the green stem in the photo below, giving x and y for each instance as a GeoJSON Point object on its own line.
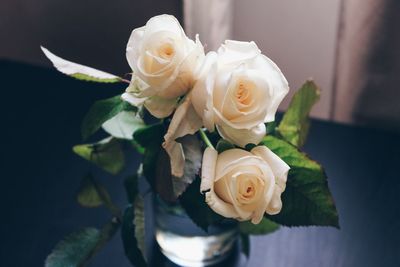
{"type": "Point", "coordinates": [205, 138]}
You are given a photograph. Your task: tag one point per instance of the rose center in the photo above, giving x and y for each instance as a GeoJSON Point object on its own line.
{"type": "Point", "coordinates": [243, 92]}
{"type": "Point", "coordinates": [166, 51]}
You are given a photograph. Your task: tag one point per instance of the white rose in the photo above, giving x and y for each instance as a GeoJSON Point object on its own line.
{"type": "Point", "coordinates": [163, 60]}
{"type": "Point", "coordinates": [243, 185]}
{"type": "Point", "coordinates": [238, 90]}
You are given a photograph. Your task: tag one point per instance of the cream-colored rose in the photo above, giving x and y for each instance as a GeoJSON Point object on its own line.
{"type": "Point", "coordinates": [243, 185]}
{"type": "Point", "coordinates": [163, 60]}
{"type": "Point", "coordinates": [238, 90]}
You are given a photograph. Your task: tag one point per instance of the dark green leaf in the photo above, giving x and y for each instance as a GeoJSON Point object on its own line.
{"type": "Point", "coordinates": [245, 244]}
{"type": "Point", "coordinates": [266, 226]}
{"type": "Point", "coordinates": [75, 249]}
{"type": "Point", "coordinates": [295, 123]}
{"type": "Point", "coordinates": [107, 154]}
{"type": "Point", "coordinates": [223, 145]}
{"type": "Point", "coordinates": [129, 240]}
{"type": "Point", "coordinates": [150, 134]}
{"type": "Point", "coordinates": [196, 207]}
{"type": "Point", "coordinates": [92, 194]}
{"type": "Point", "coordinates": [101, 111]}
{"type": "Point", "coordinates": [307, 199]}
{"type": "Point", "coordinates": [270, 127]}
{"type": "Point", "coordinates": [131, 187]}
{"type": "Point", "coordinates": [140, 224]}
{"type": "Point", "coordinates": [78, 248]}
{"type": "Point", "coordinates": [123, 125]}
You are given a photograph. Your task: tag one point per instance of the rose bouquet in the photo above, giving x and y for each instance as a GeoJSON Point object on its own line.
{"type": "Point", "coordinates": [205, 126]}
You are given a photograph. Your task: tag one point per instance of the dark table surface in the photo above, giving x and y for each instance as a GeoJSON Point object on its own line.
{"type": "Point", "coordinates": [42, 112]}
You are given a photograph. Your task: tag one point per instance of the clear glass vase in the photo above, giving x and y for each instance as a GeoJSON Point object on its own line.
{"type": "Point", "coordinates": [186, 244]}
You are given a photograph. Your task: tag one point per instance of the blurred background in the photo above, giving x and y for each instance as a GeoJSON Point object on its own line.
{"type": "Point", "coordinates": [349, 47]}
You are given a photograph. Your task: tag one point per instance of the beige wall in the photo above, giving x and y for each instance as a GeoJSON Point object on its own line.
{"type": "Point", "coordinates": [299, 35]}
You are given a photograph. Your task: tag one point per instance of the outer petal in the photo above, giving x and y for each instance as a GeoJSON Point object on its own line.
{"type": "Point", "coordinates": [242, 137]}
{"type": "Point", "coordinates": [177, 158]}
{"type": "Point", "coordinates": [208, 169]}
{"type": "Point", "coordinates": [279, 168]}
{"type": "Point", "coordinates": [185, 121]}
{"type": "Point", "coordinates": [237, 52]}
{"type": "Point", "coordinates": [134, 46]}
{"type": "Point", "coordinates": [132, 99]}
{"type": "Point", "coordinates": [278, 84]}
{"type": "Point", "coordinates": [202, 92]}
{"type": "Point", "coordinates": [207, 183]}
{"type": "Point", "coordinates": [160, 107]}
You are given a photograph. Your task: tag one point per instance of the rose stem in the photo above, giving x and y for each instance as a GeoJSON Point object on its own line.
{"type": "Point", "coordinates": [205, 138]}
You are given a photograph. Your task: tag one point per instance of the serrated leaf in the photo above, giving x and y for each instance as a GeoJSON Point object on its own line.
{"type": "Point", "coordinates": [223, 145]}
{"type": "Point", "coordinates": [102, 111]}
{"type": "Point", "coordinates": [307, 199]}
{"type": "Point", "coordinates": [245, 244]}
{"type": "Point", "coordinates": [196, 207]}
{"type": "Point", "coordinates": [107, 154]}
{"type": "Point", "coordinates": [123, 125]}
{"type": "Point", "coordinates": [79, 71]}
{"type": "Point", "coordinates": [295, 122]}
{"type": "Point", "coordinates": [266, 226]}
{"type": "Point", "coordinates": [128, 234]}
{"type": "Point", "coordinates": [91, 194]}
{"type": "Point", "coordinates": [140, 224]}
{"type": "Point", "coordinates": [75, 249]}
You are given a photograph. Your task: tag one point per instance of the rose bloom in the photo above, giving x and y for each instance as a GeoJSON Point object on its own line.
{"type": "Point", "coordinates": [243, 185]}
{"type": "Point", "coordinates": [163, 60]}
{"type": "Point", "coordinates": [238, 90]}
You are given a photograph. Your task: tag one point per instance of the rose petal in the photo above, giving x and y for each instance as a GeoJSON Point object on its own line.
{"type": "Point", "coordinates": [220, 206]}
{"type": "Point", "coordinates": [185, 121]}
{"type": "Point", "coordinates": [236, 51]}
{"type": "Point", "coordinates": [177, 158]}
{"type": "Point", "coordinates": [242, 137]}
{"type": "Point", "coordinates": [208, 169]}
{"type": "Point", "coordinates": [160, 107]}
{"type": "Point", "coordinates": [277, 165]}
{"type": "Point", "coordinates": [131, 99]}
{"type": "Point", "coordinates": [202, 92]}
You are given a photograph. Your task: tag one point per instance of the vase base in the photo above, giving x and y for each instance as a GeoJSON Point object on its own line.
{"type": "Point", "coordinates": [196, 251]}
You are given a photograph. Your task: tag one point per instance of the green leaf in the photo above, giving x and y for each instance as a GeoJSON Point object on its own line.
{"type": "Point", "coordinates": [123, 125]}
{"type": "Point", "coordinates": [245, 244]}
{"type": "Point", "coordinates": [131, 187]}
{"type": "Point", "coordinates": [128, 234]}
{"type": "Point", "coordinates": [223, 145]}
{"type": "Point", "coordinates": [79, 71]}
{"type": "Point", "coordinates": [91, 194]}
{"type": "Point", "coordinates": [149, 135]}
{"type": "Point", "coordinates": [270, 127]}
{"type": "Point", "coordinates": [107, 154]}
{"type": "Point", "coordinates": [295, 123]}
{"type": "Point", "coordinates": [140, 224]}
{"type": "Point", "coordinates": [102, 111]}
{"type": "Point", "coordinates": [266, 226]}
{"type": "Point", "coordinates": [78, 248]}
{"type": "Point", "coordinates": [75, 249]}
{"type": "Point", "coordinates": [307, 199]}
{"type": "Point", "coordinates": [196, 207]}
